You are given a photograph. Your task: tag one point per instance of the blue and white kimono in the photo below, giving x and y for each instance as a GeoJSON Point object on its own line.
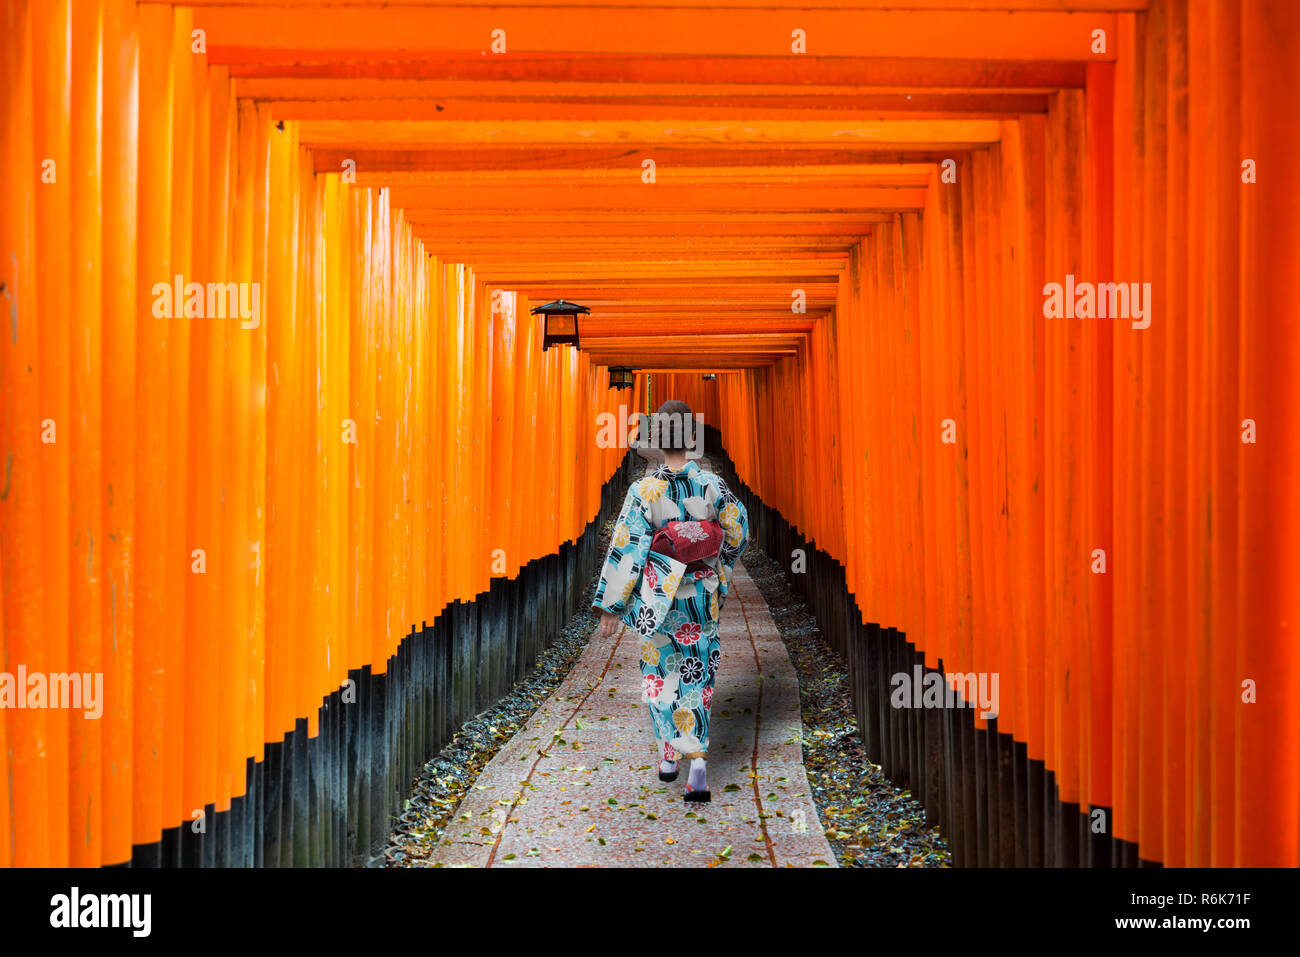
{"type": "Point", "coordinates": [675, 612]}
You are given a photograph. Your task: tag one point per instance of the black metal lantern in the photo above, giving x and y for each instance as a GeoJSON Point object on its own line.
{"type": "Point", "coordinates": [561, 323]}
{"type": "Point", "coordinates": [620, 377]}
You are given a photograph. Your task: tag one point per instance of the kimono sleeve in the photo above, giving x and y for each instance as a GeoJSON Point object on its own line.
{"type": "Point", "coordinates": [734, 519]}
{"type": "Point", "coordinates": [626, 557]}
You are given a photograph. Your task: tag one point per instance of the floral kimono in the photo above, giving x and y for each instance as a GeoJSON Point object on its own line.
{"type": "Point", "coordinates": [674, 611]}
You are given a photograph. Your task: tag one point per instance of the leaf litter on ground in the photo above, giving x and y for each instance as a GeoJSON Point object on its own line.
{"type": "Point", "coordinates": [445, 780]}
{"type": "Point", "coordinates": [857, 804]}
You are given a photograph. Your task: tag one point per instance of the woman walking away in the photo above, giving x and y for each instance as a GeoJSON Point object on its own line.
{"type": "Point", "coordinates": [668, 570]}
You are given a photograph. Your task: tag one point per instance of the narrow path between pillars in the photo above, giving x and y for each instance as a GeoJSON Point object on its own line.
{"type": "Point", "coordinates": [578, 785]}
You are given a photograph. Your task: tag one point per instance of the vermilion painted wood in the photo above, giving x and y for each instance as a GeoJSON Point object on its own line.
{"type": "Point", "coordinates": [51, 94]}
{"type": "Point", "coordinates": [1266, 829]}
{"type": "Point", "coordinates": [85, 427]}
{"type": "Point", "coordinates": [153, 344]}
{"type": "Point", "coordinates": [604, 32]}
{"type": "Point", "coordinates": [180, 743]}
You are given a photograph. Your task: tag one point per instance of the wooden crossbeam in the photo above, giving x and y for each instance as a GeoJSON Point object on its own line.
{"type": "Point", "coordinates": [236, 33]}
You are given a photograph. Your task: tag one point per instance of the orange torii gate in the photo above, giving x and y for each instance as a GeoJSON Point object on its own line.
{"type": "Point", "coordinates": [848, 213]}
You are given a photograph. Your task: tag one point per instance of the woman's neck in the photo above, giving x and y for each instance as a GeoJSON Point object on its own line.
{"type": "Point", "coordinates": [675, 460]}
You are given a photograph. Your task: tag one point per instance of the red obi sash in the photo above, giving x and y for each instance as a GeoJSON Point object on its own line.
{"type": "Point", "coordinates": [688, 541]}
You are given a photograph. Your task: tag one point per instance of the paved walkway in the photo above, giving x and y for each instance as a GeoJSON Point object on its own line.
{"type": "Point", "coordinates": [577, 787]}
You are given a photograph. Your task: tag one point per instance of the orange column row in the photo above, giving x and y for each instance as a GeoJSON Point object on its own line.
{"type": "Point", "coordinates": [1094, 508]}
{"type": "Point", "coordinates": [251, 432]}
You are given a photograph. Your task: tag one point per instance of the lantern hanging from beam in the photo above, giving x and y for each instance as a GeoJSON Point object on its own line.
{"type": "Point", "coordinates": [620, 377]}
{"type": "Point", "coordinates": [561, 322]}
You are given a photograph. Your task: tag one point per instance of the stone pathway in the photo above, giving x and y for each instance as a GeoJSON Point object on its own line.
{"type": "Point", "coordinates": [578, 787]}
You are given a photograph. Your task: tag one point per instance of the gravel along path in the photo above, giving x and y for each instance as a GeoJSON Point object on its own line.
{"type": "Point", "coordinates": [578, 785]}
{"type": "Point", "coordinates": [869, 822]}
{"type": "Point", "coordinates": [562, 732]}
{"type": "Point", "coordinates": [445, 780]}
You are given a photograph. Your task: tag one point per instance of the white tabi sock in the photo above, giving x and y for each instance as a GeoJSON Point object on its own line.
{"type": "Point", "coordinates": [697, 779]}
